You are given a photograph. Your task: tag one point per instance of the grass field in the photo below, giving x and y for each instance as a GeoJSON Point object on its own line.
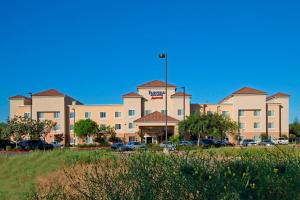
{"type": "Point", "coordinates": [18, 173]}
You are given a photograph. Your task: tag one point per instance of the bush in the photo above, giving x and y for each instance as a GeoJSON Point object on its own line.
{"type": "Point", "coordinates": [175, 139]}
{"type": "Point", "coordinates": [252, 174]}
{"type": "Point", "coordinates": [8, 148]}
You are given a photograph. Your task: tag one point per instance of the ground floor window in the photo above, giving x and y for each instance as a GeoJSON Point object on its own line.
{"type": "Point", "coordinates": [132, 139]}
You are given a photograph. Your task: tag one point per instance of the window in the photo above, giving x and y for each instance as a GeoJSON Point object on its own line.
{"type": "Point", "coordinates": [132, 139]}
{"type": "Point", "coordinates": [118, 126]}
{"type": "Point", "coordinates": [225, 113]}
{"type": "Point", "coordinates": [241, 113]}
{"type": "Point", "coordinates": [131, 112]}
{"type": "Point", "coordinates": [41, 115]}
{"type": "Point", "coordinates": [256, 125]}
{"type": "Point", "coordinates": [271, 125]}
{"type": "Point", "coordinates": [56, 115]}
{"type": "Point", "coordinates": [89, 140]}
{"type": "Point", "coordinates": [130, 125]}
{"type": "Point", "coordinates": [147, 112]}
{"type": "Point", "coordinates": [117, 114]}
{"type": "Point", "coordinates": [27, 115]}
{"type": "Point", "coordinates": [71, 127]}
{"type": "Point", "coordinates": [102, 115]}
{"type": "Point", "coordinates": [163, 112]}
{"type": "Point", "coordinates": [242, 125]}
{"type": "Point", "coordinates": [271, 113]}
{"type": "Point", "coordinates": [72, 115]}
{"type": "Point", "coordinates": [87, 115]}
{"type": "Point", "coordinates": [180, 112]}
{"type": "Point", "coordinates": [56, 127]}
{"type": "Point", "coordinates": [257, 113]}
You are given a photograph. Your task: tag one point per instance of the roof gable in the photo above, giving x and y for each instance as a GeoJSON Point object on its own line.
{"type": "Point", "coordinates": [249, 90]}
{"type": "Point", "coordinates": [279, 94]}
{"type": "Point", "coordinates": [180, 94]}
{"type": "Point", "coordinates": [132, 95]}
{"type": "Point", "coordinates": [155, 83]}
{"type": "Point", "coordinates": [18, 97]}
{"type": "Point", "coordinates": [51, 92]}
{"type": "Point", "coordinates": [156, 117]}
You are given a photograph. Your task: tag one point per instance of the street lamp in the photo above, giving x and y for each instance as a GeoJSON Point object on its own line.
{"type": "Point", "coordinates": [30, 94]}
{"type": "Point", "coordinates": [165, 56]}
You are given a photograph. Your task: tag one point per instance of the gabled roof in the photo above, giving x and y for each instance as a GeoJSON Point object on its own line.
{"type": "Point", "coordinates": [18, 97]}
{"type": "Point", "coordinates": [279, 94]}
{"type": "Point", "coordinates": [156, 117]}
{"type": "Point", "coordinates": [245, 90]}
{"type": "Point", "coordinates": [155, 83]}
{"type": "Point", "coordinates": [249, 90]}
{"type": "Point", "coordinates": [51, 92]}
{"type": "Point", "coordinates": [180, 94]}
{"type": "Point", "coordinates": [132, 95]}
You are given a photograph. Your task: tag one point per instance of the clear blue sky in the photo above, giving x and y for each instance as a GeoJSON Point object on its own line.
{"type": "Point", "coordinates": [98, 50]}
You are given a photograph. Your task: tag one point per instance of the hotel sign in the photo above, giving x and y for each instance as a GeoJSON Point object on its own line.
{"type": "Point", "coordinates": [156, 94]}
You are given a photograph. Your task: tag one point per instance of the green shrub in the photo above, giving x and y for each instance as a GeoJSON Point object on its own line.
{"type": "Point", "coordinates": [251, 174]}
{"type": "Point", "coordinates": [8, 148]}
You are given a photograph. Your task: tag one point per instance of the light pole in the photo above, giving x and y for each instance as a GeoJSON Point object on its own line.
{"type": "Point", "coordinates": [30, 94]}
{"type": "Point", "coordinates": [183, 88]}
{"type": "Point", "coordinates": [74, 120]}
{"type": "Point", "coordinates": [165, 56]}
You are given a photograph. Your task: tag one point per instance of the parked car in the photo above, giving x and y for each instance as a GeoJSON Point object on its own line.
{"type": "Point", "coordinates": [119, 146]}
{"type": "Point", "coordinates": [281, 140]}
{"type": "Point", "coordinates": [135, 145]}
{"type": "Point", "coordinates": [35, 145]}
{"type": "Point", "coordinates": [6, 143]}
{"type": "Point", "coordinates": [185, 143]}
{"type": "Point", "coordinates": [266, 143]}
{"type": "Point", "coordinates": [249, 142]}
{"type": "Point", "coordinates": [56, 144]}
{"type": "Point", "coordinates": [170, 146]}
{"type": "Point", "coordinates": [209, 143]}
{"type": "Point", "coordinates": [224, 143]}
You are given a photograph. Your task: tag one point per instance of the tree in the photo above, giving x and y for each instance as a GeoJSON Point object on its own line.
{"type": "Point", "coordinates": [20, 127]}
{"type": "Point", "coordinates": [208, 124]}
{"type": "Point", "coordinates": [3, 133]}
{"type": "Point", "coordinates": [84, 128]}
{"type": "Point", "coordinates": [295, 128]}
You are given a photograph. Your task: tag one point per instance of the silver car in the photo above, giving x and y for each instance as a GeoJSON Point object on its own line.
{"type": "Point", "coordinates": [135, 145]}
{"type": "Point", "coordinates": [170, 146]}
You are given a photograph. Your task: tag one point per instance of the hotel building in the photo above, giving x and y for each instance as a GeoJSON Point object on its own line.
{"type": "Point", "coordinates": [143, 111]}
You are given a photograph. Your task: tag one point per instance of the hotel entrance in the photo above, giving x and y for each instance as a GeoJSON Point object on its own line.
{"type": "Point", "coordinates": [156, 134]}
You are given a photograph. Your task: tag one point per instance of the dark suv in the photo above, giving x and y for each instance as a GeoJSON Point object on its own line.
{"type": "Point", "coordinates": [6, 143]}
{"type": "Point", "coordinates": [35, 145]}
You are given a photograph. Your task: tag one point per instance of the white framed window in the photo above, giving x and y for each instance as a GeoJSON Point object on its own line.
{"type": "Point", "coordinates": [180, 112]}
{"type": "Point", "coordinates": [41, 115]}
{"type": "Point", "coordinates": [71, 127]}
{"type": "Point", "coordinates": [256, 113]}
{"type": "Point", "coordinates": [242, 125]}
{"type": "Point", "coordinates": [225, 113]}
{"type": "Point", "coordinates": [118, 126]}
{"type": "Point", "coordinates": [56, 115]}
{"type": "Point", "coordinates": [130, 125]}
{"type": "Point", "coordinates": [118, 114]}
{"type": "Point", "coordinates": [256, 125]}
{"type": "Point", "coordinates": [241, 113]}
{"type": "Point", "coordinates": [147, 112]}
{"type": "Point", "coordinates": [131, 113]}
{"type": "Point", "coordinates": [271, 113]}
{"type": "Point", "coordinates": [27, 115]}
{"type": "Point", "coordinates": [102, 115]}
{"type": "Point", "coordinates": [87, 115]}
{"type": "Point", "coordinates": [71, 115]}
{"type": "Point", "coordinates": [271, 125]}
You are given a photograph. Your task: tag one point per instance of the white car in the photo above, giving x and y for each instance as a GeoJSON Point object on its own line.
{"type": "Point", "coordinates": [281, 140]}
{"type": "Point", "coordinates": [170, 146]}
{"type": "Point", "coordinates": [135, 145]}
{"type": "Point", "coordinates": [56, 144]}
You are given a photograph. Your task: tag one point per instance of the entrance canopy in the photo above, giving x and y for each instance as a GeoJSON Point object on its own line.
{"type": "Point", "coordinates": [156, 119]}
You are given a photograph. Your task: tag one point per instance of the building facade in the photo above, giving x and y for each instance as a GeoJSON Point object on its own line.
{"type": "Point", "coordinates": [143, 113]}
